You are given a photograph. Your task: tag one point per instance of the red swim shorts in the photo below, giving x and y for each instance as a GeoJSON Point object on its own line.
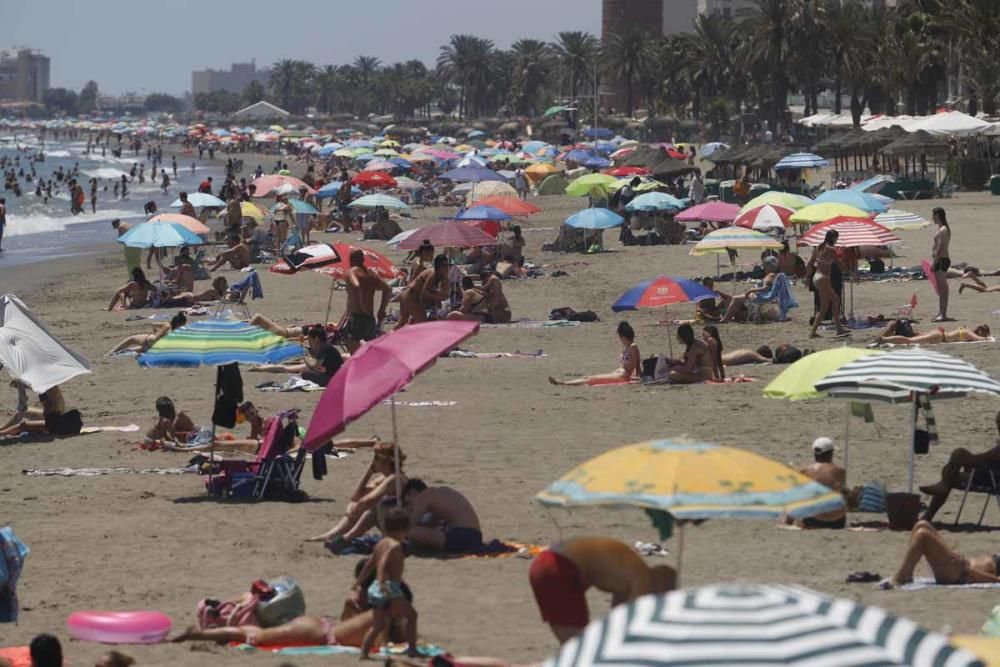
{"type": "Point", "coordinates": [559, 590]}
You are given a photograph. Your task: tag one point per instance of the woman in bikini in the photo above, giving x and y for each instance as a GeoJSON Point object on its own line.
{"type": "Point", "coordinates": [630, 363]}
{"type": "Point", "coordinates": [949, 567]}
{"type": "Point", "coordinates": [738, 304]}
{"type": "Point", "coordinates": [134, 294]}
{"type": "Point", "coordinates": [960, 335]}
{"type": "Point", "coordinates": [821, 262]}
{"type": "Point", "coordinates": [697, 364]}
{"type": "Point", "coordinates": [474, 305]}
{"type": "Point", "coordinates": [304, 630]}
{"type": "Point", "coordinates": [942, 262]}
{"type": "Point", "coordinates": [218, 292]}
{"type": "Point", "coordinates": [495, 299]}
{"type": "Point", "coordinates": [710, 334]}
{"type": "Point", "coordinates": [140, 343]}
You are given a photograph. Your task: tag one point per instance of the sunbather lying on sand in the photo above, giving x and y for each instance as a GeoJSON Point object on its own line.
{"type": "Point", "coordinates": [378, 482]}
{"type": "Point", "coordinates": [977, 286]}
{"type": "Point", "coordinates": [630, 363]}
{"type": "Point", "coordinates": [289, 332]}
{"type": "Point", "coordinates": [142, 342]}
{"type": "Point", "coordinates": [304, 630]}
{"type": "Point", "coordinates": [218, 292]}
{"type": "Point", "coordinates": [561, 576]}
{"type": "Point", "coordinates": [950, 568]}
{"type": "Point", "coordinates": [744, 357]}
{"type": "Point", "coordinates": [135, 293]}
{"type": "Point", "coordinates": [935, 337]}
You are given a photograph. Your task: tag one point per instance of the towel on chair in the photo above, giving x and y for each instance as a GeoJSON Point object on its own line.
{"type": "Point", "coordinates": [252, 284]}
{"type": "Point", "coordinates": [779, 294]}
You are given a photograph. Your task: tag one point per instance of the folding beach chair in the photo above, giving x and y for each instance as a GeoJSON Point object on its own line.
{"type": "Point", "coordinates": [984, 479]}
{"type": "Point", "coordinates": [780, 295]}
{"type": "Point", "coordinates": [248, 286]}
{"type": "Point", "coordinates": [278, 473]}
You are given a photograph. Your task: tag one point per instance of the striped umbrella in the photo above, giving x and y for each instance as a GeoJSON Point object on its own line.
{"type": "Point", "coordinates": [451, 234]}
{"type": "Point", "coordinates": [896, 219]}
{"type": "Point", "coordinates": [815, 213]}
{"type": "Point", "coordinates": [854, 233]}
{"type": "Point", "coordinates": [218, 343]}
{"type": "Point", "coordinates": [754, 624]}
{"type": "Point", "coordinates": [801, 161]}
{"type": "Point", "coordinates": [377, 201]}
{"type": "Point", "coordinates": [765, 218]}
{"type": "Point", "coordinates": [734, 238]}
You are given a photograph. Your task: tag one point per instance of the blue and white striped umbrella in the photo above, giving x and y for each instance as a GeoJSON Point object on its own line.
{"type": "Point", "coordinates": [897, 219]}
{"type": "Point", "coordinates": [760, 625]}
{"type": "Point", "coordinates": [801, 161]}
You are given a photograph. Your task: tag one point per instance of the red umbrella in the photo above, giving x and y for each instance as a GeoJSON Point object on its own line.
{"type": "Point", "coordinates": [764, 218]}
{"type": "Point", "coordinates": [513, 206]}
{"type": "Point", "coordinates": [451, 234]}
{"type": "Point", "coordinates": [334, 260]}
{"type": "Point", "coordinates": [377, 371]}
{"type": "Point", "coordinates": [370, 180]}
{"type": "Point", "coordinates": [491, 227]}
{"type": "Point", "coordinates": [854, 232]}
{"type": "Point", "coordinates": [676, 154]}
{"type": "Point", "coordinates": [627, 171]}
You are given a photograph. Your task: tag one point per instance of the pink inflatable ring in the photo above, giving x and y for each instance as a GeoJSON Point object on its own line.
{"type": "Point", "coordinates": [119, 627]}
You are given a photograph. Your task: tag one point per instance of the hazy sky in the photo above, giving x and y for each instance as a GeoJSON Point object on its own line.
{"type": "Point", "coordinates": [153, 45]}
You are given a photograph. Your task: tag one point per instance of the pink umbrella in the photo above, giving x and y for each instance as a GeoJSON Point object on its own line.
{"type": "Point", "coordinates": [452, 234]}
{"type": "Point", "coordinates": [376, 372]}
{"type": "Point", "coordinates": [713, 211]}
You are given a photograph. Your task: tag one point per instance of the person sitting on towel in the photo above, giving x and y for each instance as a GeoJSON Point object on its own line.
{"type": "Point", "coordinates": [319, 363]}
{"type": "Point", "coordinates": [170, 424]}
{"type": "Point", "coordinates": [950, 568]}
{"type": "Point", "coordinates": [829, 474]}
{"type": "Point", "coordinates": [629, 363]}
{"type": "Point", "coordinates": [561, 576]}
{"type": "Point", "coordinates": [441, 518]}
{"type": "Point", "coordinates": [952, 476]}
{"type": "Point", "coordinates": [50, 418]}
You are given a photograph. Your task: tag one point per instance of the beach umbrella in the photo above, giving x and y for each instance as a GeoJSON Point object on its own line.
{"type": "Point", "coordinates": [691, 480]}
{"type": "Point", "coordinates": [798, 381]}
{"type": "Point", "coordinates": [594, 218]}
{"type": "Point", "coordinates": [251, 210]}
{"type": "Point", "coordinates": [400, 237]}
{"type": "Point", "coordinates": [715, 211]}
{"type": "Point", "coordinates": [622, 172]}
{"type": "Point", "coordinates": [898, 220]}
{"type": "Point", "coordinates": [377, 371]}
{"type": "Point", "coordinates": [199, 199]}
{"type": "Point", "coordinates": [268, 185]}
{"type": "Point", "coordinates": [513, 206]}
{"type": "Point", "coordinates": [708, 149]}
{"type": "Point", "coordinates": [380, 165]}
{"type": "Point", "coordinates": [862, 200]}
{"type": "Point", "coordinates": [552, 111]}
{"type": "Point", "coordinates": [872, 185]}
{"type": "Point", "coordinates": [451, 234]}
{"type": "Point", "coordinates": [660, 293]}
{"type": "Point", "coordinates": [801, 161]}
{"type": "Point", "coordinates": [815, 213]}
{"type": "Point", "coordinates": [368, 180]}
{"type": "Point", "coordinates": [378, 201]}
{"type": "Point", "coordinates": [193, 225]}
{"type": "Point", "coordinates": [853, 233]}
{"type": "Point", "coordinates": [776, 198]}
{"type": "Point", "coordinates": [471, 175]}
{"type": "Point", "coordinates": [29, 351]}
{"type": "Point", "coordinates": [406, 183]}
{"type": "Point", "coordinates": [311, 256]}
{"type": "Point", "coordinates": [734, 238]}
{"type": "Point", "coordinates": [765, 219]}
{"type": "Point", "coordinates": [333, 260]}
{"type": "Point", "coordinates": [597, 163]}
{"type": "Point", "coordinates": [655, 201]}
{"type": "Point", "coordinates": [481, 212]}
{"type": "Point", "coordinates": [159, 235]}
{"type": "Point", "coordinates": [491, 189]}
{"type": "Point", "coordinates": [646, 184]}
{"type": "Point", "coordinates": [540, 170]}
{"type": "Point", "coordinates": [598, 133]}
{"type": "Point", "coordinates": [582, 186]}
{"type": "Point", "coordinates": [332, 189]}
{"type": "Point", "coordinates": [755, 624]}
{"type": "Point", "coordinates": [901, 376]}
{"type": "Point", "coordinates": [300, 206]}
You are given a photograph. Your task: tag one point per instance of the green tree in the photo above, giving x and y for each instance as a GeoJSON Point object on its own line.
{"type": "Point", "coordinates": [532, 60]}
{"type": "Point", "coordinates": [465, 62]}
{"type": "Point", "coordinates": [253, 93]}
{"type": "Point", "coordinates": [88, 97]}
{"type": "Point", "coordinates": [576, 54]}
{"type": "Point", "coordinates": [163, 102]}
{"type": "Point", "coordinates": [61, 100]}
{"type": "Point", "coordinates": [625, 54]}
{"type": "Point", "coordinates": [769, 46]}
{"type": "Point", "coordinates": [220, 101]}
{"type": "Point", "coordinates": [291, 83]}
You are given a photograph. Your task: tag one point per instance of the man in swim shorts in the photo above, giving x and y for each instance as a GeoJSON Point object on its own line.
{"type": "Point", "coordinates": [829, 474]}
{"type": "Point", "coordinates": [561, 576]}
{"type": "Point", "coordinates": [362, 283]}
{"type": "Point", "coordinates": [441, 519]}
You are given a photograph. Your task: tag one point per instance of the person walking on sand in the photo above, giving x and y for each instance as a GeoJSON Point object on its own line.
{"type": "Point", "coordinates": [3, 219]}
{"type": "Point", "coordinates": [362, 322]}
{"type": "Point", "coordinates": [187, 208]}
{"type": "Point", "coordinates": [941, 262]}
{"type": "Point", "coordinates": [821, 264]}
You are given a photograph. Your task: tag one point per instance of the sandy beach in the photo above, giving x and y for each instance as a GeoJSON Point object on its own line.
{"type": "Point", "coordinates": [157, 542]}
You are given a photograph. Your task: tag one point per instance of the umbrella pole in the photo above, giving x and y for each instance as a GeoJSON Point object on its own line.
{"type": "Point", "coordinates": [680, 553]}
{"type": "Point", "coordinates": [913, 441]}
{"type": "Point", "coordinates": [211, 447]}
{"type": "Point", "coordinates": [395, 446]}
{"type": "Point", "coordinates": [670, 334]}
{"type": "Point", "coordinates": [329, 303]}
{"type": "Point", "coordinates": [847, 441]}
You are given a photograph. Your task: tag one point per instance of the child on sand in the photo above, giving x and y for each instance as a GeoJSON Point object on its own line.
{"type": "Point", "coordinates": [385, 594]}
{"type": "Point", "coordinates": [169, 422]}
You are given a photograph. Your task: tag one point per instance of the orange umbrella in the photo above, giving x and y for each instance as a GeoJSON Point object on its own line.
{"type": "Point", "coordinates": [513, 206]}
{"type": "Point", "coordinates": [193, 225]}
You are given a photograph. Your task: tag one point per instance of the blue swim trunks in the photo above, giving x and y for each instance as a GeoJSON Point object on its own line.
{"type": "Point", "coordinates": [379, 598]}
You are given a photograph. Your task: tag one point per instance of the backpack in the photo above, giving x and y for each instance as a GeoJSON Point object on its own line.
{"type": "Point", "coordinates": [787, 354]}
{"type": "Point", "coordinates": [266, 604]}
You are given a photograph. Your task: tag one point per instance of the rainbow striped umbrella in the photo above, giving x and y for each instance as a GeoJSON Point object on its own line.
{"type": "Point", "coordinates": [734, 238]}
{"type": "Point", "coordinates": [218, 343]}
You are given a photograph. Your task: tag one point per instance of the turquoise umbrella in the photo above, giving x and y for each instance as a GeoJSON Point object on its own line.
{"type": "Point", "coordinates": [595, 218]}
{"type": "Point", "coordinates": [159, 235]}
{"type": "Point", "coordinates": [376, 201]}
{"type": "Point", "coordinates": [199, 199]}
{"type": "Point", "coordinates": [300, 206]}
{"type": "Point", "coordinates": [655, 201]}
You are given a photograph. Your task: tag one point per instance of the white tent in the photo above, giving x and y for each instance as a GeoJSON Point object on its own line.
{"type": "Point", "coordinates": [949, 122]}
{"type": "Point", "coordinates": [882, 122]}
{"type": "Point", "coordinates": [30, 353]}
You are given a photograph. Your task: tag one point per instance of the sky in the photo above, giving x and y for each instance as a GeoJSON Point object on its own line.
{"type": "Point", "coordinates": [149, 46]}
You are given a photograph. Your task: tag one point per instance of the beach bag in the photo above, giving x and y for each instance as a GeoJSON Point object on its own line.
{"type": "Point", "coordinates": [230, 613]}
{"type": "Point", "coordinates": [904, 328]}
{"type": "Point", "coordinates": [787, 354]}
{"type": "Point", "coordinates": [872, 498]}
{"type": "Point", "coordinates": [649, 367]}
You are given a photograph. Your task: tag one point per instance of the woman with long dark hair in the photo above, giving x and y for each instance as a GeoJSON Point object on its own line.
{"type": "Point", "coordinates": [714, 341]}
{"type": "Point", "coordinates": [822, 263]}
{"type": "Point", "coordinates": [630, 363]}
{"type": "Point", "coordinates": [941, 262]}
{"type": "Point", "coordinates": [696, 365]}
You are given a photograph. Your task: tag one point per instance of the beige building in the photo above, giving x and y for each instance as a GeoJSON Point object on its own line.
{"type": "Point", "coordinates": [24, 75]}
{"type": "Point", "coordinates": [233, 80]}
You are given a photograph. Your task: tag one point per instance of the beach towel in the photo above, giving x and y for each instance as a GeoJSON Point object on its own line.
{"type": "Point", "coordinates": [249, 284]}
{"type": "Point", "coordinates": [922, 583]}
{"type": "Point", "coordinates": [293, 383]}
{"type": "Point", "coordinates": [421, 404]}
{"type": "Point", "coordinates": [97, 472]}
{"type": "Point", "coordinates": [392, 650]}
{"type": "Point", "coordinates": [131, 428]}
{"type": "Point", "coordinates": [779, 294]}
{"type": "Point", "coordinates": [532, 324]}
{"type": "Point", "coordinates": [467, 354]}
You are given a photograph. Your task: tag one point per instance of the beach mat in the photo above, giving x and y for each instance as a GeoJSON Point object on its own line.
{"type": "Point", "coordinates": [532, 324]}
{"type": "Point", "coordinates": [98, 472]}
{"type": "Point", "coordinates": [293, 383]}
{"type": "Point", "coordinates": [466, 354]}
{"type": "Point", "coordinates": [131, 428]}
{"type": "Point", "coordinates": [421, 404]}
{"type": "Point", "coordinates": [922, 583]}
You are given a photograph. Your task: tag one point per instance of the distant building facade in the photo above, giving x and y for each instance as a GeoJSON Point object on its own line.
{"type": "Point", "coordinates": [616, 15]}
{"type": "Point", "coordinates": [24, 75]}
{"type": "Point", "coordinates": [233, 80]}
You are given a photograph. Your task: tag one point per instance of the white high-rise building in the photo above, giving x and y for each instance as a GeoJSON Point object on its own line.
{"type": "Point", "coordinates": [679, 15]}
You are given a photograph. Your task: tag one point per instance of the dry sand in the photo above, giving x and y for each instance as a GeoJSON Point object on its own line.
{"type": "Point", "coordinates": [123, 542]}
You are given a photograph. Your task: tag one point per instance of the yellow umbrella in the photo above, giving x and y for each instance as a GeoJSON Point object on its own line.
{"type": "Point", "coordinates": [986, 649]}
{"type": "Point", "coordinates": [775, 198]}
{"type": "Point", "coordinates": [822, 212]}
{"type": "Point", "coordinates": [251, 210]}
{"type": "Point", "coordinates": [647, 185]}
{"type": "Point", "coordinates": [538, 171]}
{"type": "Point", "coordinates": [582, 186]}
{"type": "Point", "coordinates": [389, 143]}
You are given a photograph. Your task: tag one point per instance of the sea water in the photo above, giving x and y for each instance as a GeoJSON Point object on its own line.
{"type": "Point", "coordinates": [37, 231]}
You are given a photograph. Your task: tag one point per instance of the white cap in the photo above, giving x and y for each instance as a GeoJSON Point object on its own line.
{"type": "Point", "coordinates": [822, 445]}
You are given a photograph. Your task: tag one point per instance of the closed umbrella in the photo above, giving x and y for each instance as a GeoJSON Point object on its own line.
{"type": "Point", "coordinates": [29, 351]}
{"type": "Point", "coordinates": [754, 624]}
{"type": "Point", "coordinates": [595, 218]}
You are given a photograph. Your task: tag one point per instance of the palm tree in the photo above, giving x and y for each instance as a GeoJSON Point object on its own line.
{"type": "Point", "coordinates": [328, 86]}
{"type": "Point", "coordinates": [975, 25]}
{"type": "Point", "coordinates": [705, 58]}
{"type": "Point", "coordinates": [532, 66]}
{"type": "Point", "coordinates": [283, 75]}
{"type": "Point", "coordinates": [576, 53]}
{"type": "Point", "coordinates": [625, 54]}
{"type": "Point", "coordinates": [769, 47]}
{"type": "Point", "coordinates": [465, 62]}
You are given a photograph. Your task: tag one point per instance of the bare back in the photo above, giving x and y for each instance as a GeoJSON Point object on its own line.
{"type": "Point", "coordinates": [361, 286]}
{"type": "Point", "coordinates": [829, 475]}
{"type": "Point", "coordinates": [388, 558]}
{"type": "Point", "coordinates": [608, 565]}
{"type": "Point", "coordinates": [942, 241]}
{"type": "Point", "coordinates": [447, 505]}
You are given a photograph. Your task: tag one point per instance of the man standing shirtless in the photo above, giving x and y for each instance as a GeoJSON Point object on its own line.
{"type": "Point", "coordinates": [362, 324]}
{"type": "Point", "coordinates": [561, 576]}
{"type": "Point", "coordinates": [441, 519]}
